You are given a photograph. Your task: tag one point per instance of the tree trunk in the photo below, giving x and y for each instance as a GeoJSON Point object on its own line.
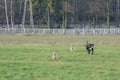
{"type": "Point", "coordinates": [108, 13]}
{"type": "Point", "coordinates": [64, 21]}
{"type": "Point", "coordinates": [48, 22]}
{"type": "Point", "coordinates": [12, 23]}
{"type": "Point", "coordinates": [31, 15]}
{"type": "Point", "coordinates": [24, 14]}
{"type": "Point", "coordinates": [6, 15]}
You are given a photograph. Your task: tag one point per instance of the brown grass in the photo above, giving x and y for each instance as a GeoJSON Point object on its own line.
{"type": "Point", "coordinates": [58, 39]}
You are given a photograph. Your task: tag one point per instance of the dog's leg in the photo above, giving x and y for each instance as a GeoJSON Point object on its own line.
{"type": "Point", "coordinates": [92, 51]}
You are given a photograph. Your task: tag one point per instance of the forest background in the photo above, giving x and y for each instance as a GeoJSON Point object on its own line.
{"type": "Point", "coordinates": [62, 13]}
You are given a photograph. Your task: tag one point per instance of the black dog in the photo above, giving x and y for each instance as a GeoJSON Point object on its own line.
{"type": "Point", "coordinates": [89, 47]}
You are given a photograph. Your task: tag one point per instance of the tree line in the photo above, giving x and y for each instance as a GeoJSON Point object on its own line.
{"type": "Point", "coordinates": [62, 13]}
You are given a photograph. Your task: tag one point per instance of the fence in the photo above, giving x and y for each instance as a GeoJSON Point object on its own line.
{"type": "Point", "coordinates": [61, 31]}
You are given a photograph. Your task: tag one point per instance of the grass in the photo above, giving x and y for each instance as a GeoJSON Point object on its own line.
{"type": "Point", "coordinates": [28, 57]}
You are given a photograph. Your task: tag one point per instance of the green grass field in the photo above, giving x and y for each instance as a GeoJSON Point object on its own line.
{"type": "Point", "coordinates": [28, 57]}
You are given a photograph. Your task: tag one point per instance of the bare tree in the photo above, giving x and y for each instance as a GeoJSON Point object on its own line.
{"type": "Point", "coordinates": [12, 14]}
{"type": "Point", "coordinates": [6, 11]}
{"type": "Point", "coordinates": [24, 14]}
{"type": "Point", "coordinates": [108, 2]}
{"type": "Point", "coordinates": [95, 9]}
{"type": "Point", "coordinates": [31, 14]}
{"type": "Point", "coordinates": [67, 8]}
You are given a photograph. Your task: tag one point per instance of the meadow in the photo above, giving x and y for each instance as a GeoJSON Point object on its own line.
{"type": "Point", "coordinates": [28, 57]}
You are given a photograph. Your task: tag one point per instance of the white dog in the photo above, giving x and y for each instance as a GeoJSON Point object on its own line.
{"type": "Point", "coordinates": [71, 49]}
